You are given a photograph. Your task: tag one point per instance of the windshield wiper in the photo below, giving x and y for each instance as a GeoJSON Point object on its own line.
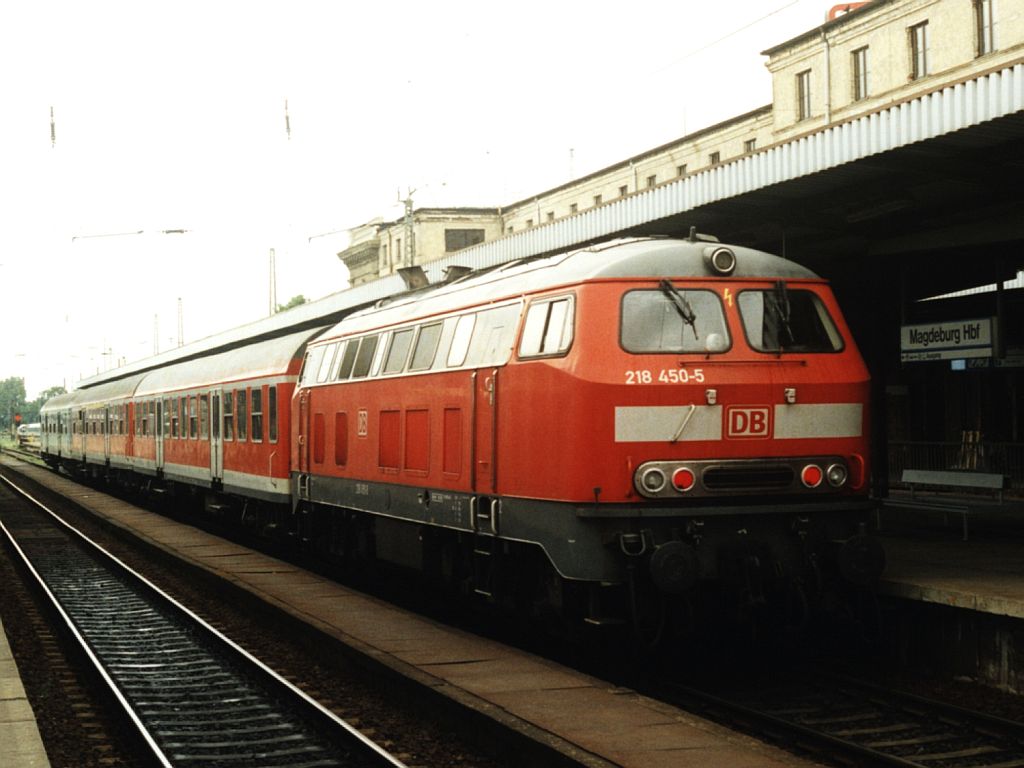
{"type": "Point", "coordinates": [682, 306]}
{"type": "Point", "coordinates": [780, 308]}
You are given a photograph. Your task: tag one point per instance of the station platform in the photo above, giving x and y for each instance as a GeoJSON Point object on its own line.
{"type": "Point", "coordinates": [20, 743]}
{"type": "Point", "coordinates": [928, 558]}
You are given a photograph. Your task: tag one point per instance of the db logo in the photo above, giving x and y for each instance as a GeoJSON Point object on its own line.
{"type": "Point", "coordinates": [748, 422]}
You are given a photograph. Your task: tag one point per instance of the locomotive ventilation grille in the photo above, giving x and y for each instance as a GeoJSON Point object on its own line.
{"type": "Point", "coordinates": [748, 478]}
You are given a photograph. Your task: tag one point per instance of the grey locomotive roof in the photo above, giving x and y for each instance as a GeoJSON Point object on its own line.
{"type": "Point", "coordinates": [640, 258]}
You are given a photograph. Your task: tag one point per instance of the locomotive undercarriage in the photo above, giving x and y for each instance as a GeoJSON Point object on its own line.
{"type": "Point", "coordinates": [657, 569]}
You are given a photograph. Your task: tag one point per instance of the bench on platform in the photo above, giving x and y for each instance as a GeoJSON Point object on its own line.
{"type": "Point", "coordinates": [947, 480]}
{"type": "Point", "coordinates": [954, 480]}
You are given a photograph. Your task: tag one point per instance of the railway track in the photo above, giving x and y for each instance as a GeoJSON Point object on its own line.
{"type": "Point", "coordinates": [192, 695]}
{"type": "Point", "coordinates": [860, 723]}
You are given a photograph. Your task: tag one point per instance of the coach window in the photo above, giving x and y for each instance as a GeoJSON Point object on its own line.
{"type": "Point", "coordinates": [367, 347]}
{"type": "Point", "coordinates": [781, 320]}
{"type": "Point", "coordinates": [426, 347]}
{"type": "Point", "coordinates": [401, 341]}
{"type": "Point", "coordinates": [167, 416]}
{"type": "Point", "coordinates": [272, 413]}
{"type": "Point", "coordinates": [241, 412]}
{"type": "Point", "coordinates": [673, 319]}
{"type": "Point", "coordinates": [173, 408]}
{"type": "Point", "coordinates": [256, 412]}
{"type": "Point", "coordinates": [204, 417]}
{"type": "Point", "coordinates": [460, 342]}
{"type": "Point", "coordinates": [349, 360]}
{"type": "Point", "coordinates": [325, 363]}
{"type": "Point", "coordinates": [193, 419]}
{"type": "Point", "coordinates": [229, 416]}
{"type": "Point", "coordinates": [548, 328]}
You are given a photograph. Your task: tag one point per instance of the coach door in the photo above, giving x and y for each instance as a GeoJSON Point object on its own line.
{"type": "Point", "coordinates": [216, 437]}
{"type": "Point", "coordinates": [106, 433]}
{"type": "Point", "coordinates": [158, 432]}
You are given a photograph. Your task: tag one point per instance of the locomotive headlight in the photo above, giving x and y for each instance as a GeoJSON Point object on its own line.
{"type": "Point", "coordinates": [683, 479]}
{"type": "Point", "coordinates": [653, 480]}
{"type": "Point", "coordinates": [836, 475]}
{"type": "Point", "coordinates": [811, 476]}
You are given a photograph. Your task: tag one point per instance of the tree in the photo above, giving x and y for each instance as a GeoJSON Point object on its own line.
{"type": "Point", "coordinates": [32, 409]}
{"type": "Point", "coordinates": [294, 301]}
{"type": "Point", "coordinates": [12, 400]}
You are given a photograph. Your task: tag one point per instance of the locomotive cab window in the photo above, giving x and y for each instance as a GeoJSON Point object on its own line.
{"type": "Point", "coordinates": [367, 348]}
{"type": "Point", "coordinates": [548, 329]}
{"type": "Point", "coordinates": [673, 319]}
{"type": "Point", "coordinates": [784, 320]}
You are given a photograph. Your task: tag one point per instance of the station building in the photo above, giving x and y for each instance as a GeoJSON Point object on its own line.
{"type": "Point", "coordinates": [889, 161]}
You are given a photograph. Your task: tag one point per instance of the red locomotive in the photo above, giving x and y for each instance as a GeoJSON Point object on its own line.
{"type": "Point", "coordinates": [598, 432]}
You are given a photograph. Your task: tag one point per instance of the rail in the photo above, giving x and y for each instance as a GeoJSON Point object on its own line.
{"type": "Point", "coordinates": [192, 695]}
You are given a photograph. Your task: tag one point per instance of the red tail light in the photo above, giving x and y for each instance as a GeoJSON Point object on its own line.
{"type": "Point", "coordinates": [683, 479]}
{"type": "Point", "coordinates": [811, 475]}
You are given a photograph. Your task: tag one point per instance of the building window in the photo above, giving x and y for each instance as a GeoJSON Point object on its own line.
{"type": "Point", "coordinates": [573, 208]}
{"type": "Point", "coordinates": [715, 158]}
{"type": "Point", "coordinates": [749, 145]}
{"type": "Point", "coordinates": [511, 229]}
{"type": "Point", "coordinates": [984, 27]}
{"type": "Point", "coordinates": [803, 95]}
{"type": "Point", "coordinates": [457, 239]}
{"type": "Point", "coordinates": [860, 73]}
{"type": "Point", "coordinates": [529, 223]}
{"type": "Point", "coordinates": [623, 190]}
{"type": "Point", "coordinates": [681, 170]}
{"type": "Point", "coordinates": [652, 180]}
{"type": "Point", "coordinates": [918, 38]}
{"type": "Point", "coordinates": [597, 200]}
{"type": "Point", "coordinates": [551, 215]}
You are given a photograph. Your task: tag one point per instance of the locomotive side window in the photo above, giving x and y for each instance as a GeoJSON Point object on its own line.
{"type": "Point", "coordinates": [325, 363]}
{"type": "Point", "coordinates": [672, 319]}
{"type": "Point", "coordinates": [349, 360]}
{"type": "Point", "coordinates": [548, 328]}
{"type": "Point", "coordinates": [783, 320]}
{"type": "Point", "coordinates": [401, 341]}
{"type": "Point", "coordinates": [494, 336]}
{"type": "Point", "coordinates": [426, 347]}
{"type": "Point", "coordinates": [311, 365]}
{"type": "Point", "coordinates": [460, 342]}
{"type": "Point", "coordinates": [367, 347]}
{"type": "Point", "coordinates": [338, 358]}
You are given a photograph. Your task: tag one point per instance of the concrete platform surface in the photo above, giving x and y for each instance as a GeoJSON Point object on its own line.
{"type": "Point", "coordinates": [20, 743]}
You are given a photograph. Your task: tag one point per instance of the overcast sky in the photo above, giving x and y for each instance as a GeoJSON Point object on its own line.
{"type": "Point", "coordinates": [171, 116]}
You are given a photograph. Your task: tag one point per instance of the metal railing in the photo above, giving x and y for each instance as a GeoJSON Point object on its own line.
{"type": "Point", "coordinates": [968, 455]}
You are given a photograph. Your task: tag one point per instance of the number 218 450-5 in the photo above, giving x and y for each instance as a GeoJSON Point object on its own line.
{"type": "Point", "coordinates": [666, 376]}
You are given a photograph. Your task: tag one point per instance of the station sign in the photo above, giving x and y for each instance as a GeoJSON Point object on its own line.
{"type": "Point", "coordinates": [953, 340]}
